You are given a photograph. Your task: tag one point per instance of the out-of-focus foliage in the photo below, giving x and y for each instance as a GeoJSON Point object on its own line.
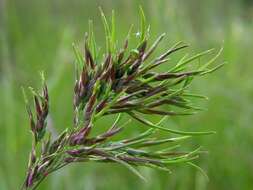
{"type": "Point", "coordinates": [37, 35]}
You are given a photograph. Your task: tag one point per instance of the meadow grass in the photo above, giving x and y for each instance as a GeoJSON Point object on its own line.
{"type": "Point", "coordinates": [27, 47]}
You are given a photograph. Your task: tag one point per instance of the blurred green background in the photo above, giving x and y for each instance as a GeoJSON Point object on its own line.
{"type": "Point", "coordinates": [37, 35]}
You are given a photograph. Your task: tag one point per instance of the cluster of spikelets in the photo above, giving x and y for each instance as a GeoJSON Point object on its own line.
{"type": "Point", "coordinates": [122, 82]}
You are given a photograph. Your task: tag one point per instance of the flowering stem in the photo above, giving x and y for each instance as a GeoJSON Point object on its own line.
{"type": "Point", "coordinates": [122, 83]}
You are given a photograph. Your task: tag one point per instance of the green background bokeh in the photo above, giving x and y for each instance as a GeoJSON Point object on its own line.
{"type": "Point", "coordinates": [37, 35]}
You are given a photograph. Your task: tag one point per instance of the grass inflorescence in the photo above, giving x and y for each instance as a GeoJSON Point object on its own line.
{"type": "Point", "coordinates": [123, 82]}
